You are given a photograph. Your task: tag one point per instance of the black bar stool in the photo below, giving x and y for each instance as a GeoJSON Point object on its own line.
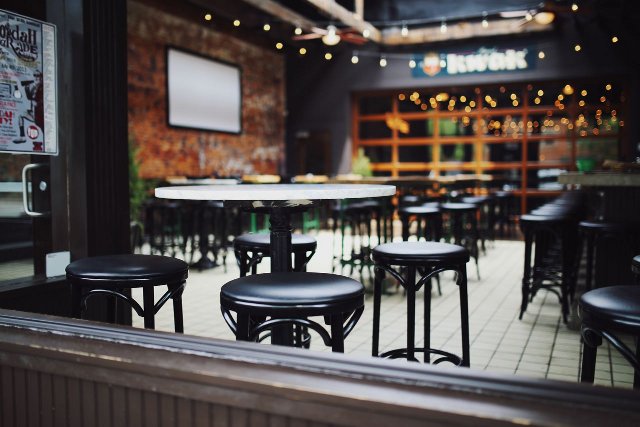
{"type": "Point", "coordinates": [429, 222]}
{"type": "Point", "coordinates": [603, 312]}
{"type": "Point", "coordinates": [266, 302]}
{"type": "Point", "coordinates": [431, 258]}
{"type": "Point", "coordinates": [635, 268]}
{"type": "Point", "coordinates": [621, 238]}
{"type": "Point", "coordinates": [462, 227]}
{"type": "Point", "coordinates": [258, 245]}
{"type": "Point", "coordinates": [111, 274]}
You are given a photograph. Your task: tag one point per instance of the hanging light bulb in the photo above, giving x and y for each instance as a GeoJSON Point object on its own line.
{"type": "Point", "coordinates": [485, 23]}
{"type": "Point", "coordinates": [412, 63]}
{"type": "Point", "coordinates": [366, 33]}
{"type": "Point", "coordinates": [355, 59]}
{"type": "Point", "coordinates": [383, 61]}
{"type": "Point", "coordinates": [331, 38]}
{"type": "Point", "coordinates": [528, 17]}
{"type": "Point", "coordinates": [574, 7]}
{"type": "Point", "coordinates": [443, 27]}
{"type": "Point", "coordinates": [544, 18]}
{"type": "Point", "coordinates": [404, 31]}
{"type": "Point", "coordinates": [297, 31]}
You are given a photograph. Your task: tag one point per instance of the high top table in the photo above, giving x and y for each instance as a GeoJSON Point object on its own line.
{"type": "Point", "coordinates": [279, 201]}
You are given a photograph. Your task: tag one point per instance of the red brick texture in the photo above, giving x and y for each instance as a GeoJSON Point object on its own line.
{"type": "Point", "coordinates": [165, 151]}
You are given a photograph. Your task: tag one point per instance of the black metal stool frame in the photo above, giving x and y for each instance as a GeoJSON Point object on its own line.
{"type": "Point", "coordinates": [342, 320]}
{"type": "Point", "coordinates": [433, 267]}
{"type": "Point", "coordinates": [149, 308]}
{"type": "Point", "coordinates": [301, 257]}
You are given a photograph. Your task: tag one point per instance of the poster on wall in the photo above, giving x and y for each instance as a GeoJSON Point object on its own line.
{"type": "Point", "coordinates": [28, 106]}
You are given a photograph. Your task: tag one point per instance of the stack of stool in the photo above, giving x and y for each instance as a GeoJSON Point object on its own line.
{"type": "Point", "coordinates": [278, 301]}
{"type": "Point", "coordinates": [114, 275]}
{"type": "Point", "coordinates": [250, 249]}
{"type": "Point", "coordinates": [432, 258]}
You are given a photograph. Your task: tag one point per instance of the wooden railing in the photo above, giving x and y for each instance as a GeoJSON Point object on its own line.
{"type": "Point", "coordinates": [55, 371]}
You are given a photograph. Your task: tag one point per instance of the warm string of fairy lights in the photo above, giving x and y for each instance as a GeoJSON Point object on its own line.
{"type": "Point", "coordinates": [384, 58]}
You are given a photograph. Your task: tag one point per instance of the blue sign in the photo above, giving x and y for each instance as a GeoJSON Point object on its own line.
{"type": "Point", "coordinates": [484, 60]}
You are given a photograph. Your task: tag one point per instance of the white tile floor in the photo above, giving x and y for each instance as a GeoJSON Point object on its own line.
{"type": "Point", "coordinates": [540, 345]}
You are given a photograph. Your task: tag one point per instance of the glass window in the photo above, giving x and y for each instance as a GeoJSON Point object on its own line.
{"type": "Point", "coordinates": [374, 130]}
{"type": "Point", "coordinates": [502, 152]}
{"type": "Point", "coordinates": [502, 97]}
{"type": "Point", "coordinates": [416, 102]}
{"type": "Point", "coordinates": [552, 123]}
{"type": "Point", "coordinates": [549, 151]}
{"type": "Point", "coordinates": [375, 105]}
{"type": "Point", "coordinates": [415, 153]}
{"type": "Point", "coordinates": [460, 152]}
{"type": "Point", "coordinates": [378, 154]}
{"type": "Point", "coordinates": [420, 128]}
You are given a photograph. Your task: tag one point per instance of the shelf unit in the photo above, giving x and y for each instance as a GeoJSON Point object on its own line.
{"type": "Point", "coordinates": [523, 134]}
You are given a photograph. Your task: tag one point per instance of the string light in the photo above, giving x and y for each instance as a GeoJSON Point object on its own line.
{"type": "Point", "coordinates": [236, 23]}
{"type": "Point", "coordinates": [383, 62]}
{"type": "Point", "coordinates": [412, 63]}
{"type": "Point", "coordinates": [354, 58]}
{"type": "Point", "coordinates": [366, 33]}
{"type": "Point", "coordinates": [443, 27]}
{"type": "Point", "coordinates": [574, 7]}
{"type": "Point", "coordinates": [279, 45]}
{"type": "Point", "coordinates": [404, 31]}
{"type": "Point", "coordinates": [614, 39]}
{"type": "Point", "coordinates": [541, 54]}
{"type": "Point", "coordinates": [208, 17]}
{"type": "Point", "coordinates": [485, 23]}
{"type": "Point", "coordinates": [577, 48]}
{"type": "Point", "coordinates": [302, 51]}
{"type": "Point", "coordinates": [328, 56]}
{"type": "Point", "coordinates": [297, 31]}
{"type": "Point", "coordinates": [528, 16]}
{"type": "Point", "coordinates": [266, 27]}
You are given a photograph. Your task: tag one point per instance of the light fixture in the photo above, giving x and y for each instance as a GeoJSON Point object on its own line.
{"type": "Point", "coordinates": [541, 54]}
{"type": "Point", "coordinates": [544, 18]}
{"type": "Point", "coordinates": [266, 27]}
{"type": "Point", "coordinates": [614, 39]}
{"type": "Point", "coordinates": [236, 23]}
{"type": "Point", "coordinates": [383, 61]}
{"type": "Point", "coordinates": [366, 33]}
{"type": "Point", "coordinates": [208, 17]}
{"type": "Point", "coordinates": [404, 31]}
{"type": "Point", "coordinates": [567, 90]}
{"type": "Point", "coordinates": [528, 17]}
{"type": "Point", "coordinates": [355, 59]}
{"type": "Point", "coordinates": [443, 27]}
{"type": "Point", "coordinates": [328, 56]}
{"type": "Point", "coordinates": [412, 63]}
{"type": "Point", "coordinates": [279, 45]}
{"type": "Point", "coordinates": [297, 31]}
{"type": "Point", "coordinates": [485, 23]}
{"type": "Point", "coordinates": [331, 38]}
{"type": "Point", "coordinates": [577, 48]}
{"type": "Point", "coordinates": [302, 51]}
{"type": "Point", "coordinates": [574, 7]}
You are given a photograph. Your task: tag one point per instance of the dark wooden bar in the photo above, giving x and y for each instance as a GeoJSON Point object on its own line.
{"type": "Point", "coordinates": [76, 373]}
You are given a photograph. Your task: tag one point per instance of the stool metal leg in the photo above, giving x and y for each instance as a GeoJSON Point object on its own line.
{"type": "Point", "coordinates": [590, 247]}
{"type": "Point", "coordinates": [148, 304]}
{"type": "Point", "coordinates": [337, 333]}
{"type": "Point", "coordinates": [464, 314]}
{"type": "Point", "coordinates": [177, 310]}
{"type": "Point", "coordinates": [377, 294]}
{"type": "Point", "coordinates": [411, 312]}
{"type": "Point", "coordinates": [528, 237]}
{"type": "Point", "coordinates": [427, 320]}
{"type": "Point", "coordinates": [591, 339]}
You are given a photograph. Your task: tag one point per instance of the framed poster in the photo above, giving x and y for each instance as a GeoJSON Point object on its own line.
{"type": "Point", "coordinates": [28, 85]}
{"type": "Point", "coordinates": [203, 93]}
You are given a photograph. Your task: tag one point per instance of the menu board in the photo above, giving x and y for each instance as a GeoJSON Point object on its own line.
{"type": "Point", "coordinates": [28, 84]}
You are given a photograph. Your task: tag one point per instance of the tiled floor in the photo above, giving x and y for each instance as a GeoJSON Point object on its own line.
{"type": "Point", "coordinates": [540, 345]}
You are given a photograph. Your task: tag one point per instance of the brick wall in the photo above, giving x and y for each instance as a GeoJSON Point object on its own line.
{"type": "Point", "coordinates": [165, 151]}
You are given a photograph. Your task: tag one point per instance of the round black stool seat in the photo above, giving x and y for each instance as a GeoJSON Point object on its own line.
{"type": "Point", "coordinates": [420, 210]}
{"type": "Point", "coordinates": [302, 246]}
{"type": "Point", "coordinates": [288, 299]}
{"type": "Point", "coordinates": [109, 274]}
{"type": "Point", "coordinates": [462, 225]}
{"type": "Point", "coordinates": [458, 207]}
{"type": "Point", "coordinates": [407, 253]}
{"type": "Point", "coordinates": [402, 261]}
{"type": "Point", "coordinates": [604, 311]}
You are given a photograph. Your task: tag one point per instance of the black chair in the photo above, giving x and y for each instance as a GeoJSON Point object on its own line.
{"type": "Point", "coordinates": [609, 245]}
{"type": "Point", "coordinates": [428, 219]}
{"type": "Point", "coordinates": [430, 258]}
{"type": "Point", "coordinates": [250, 249]}
{"type": "Point", "coordinates": [604, 312]}
{"type": "Point", "coordinates": [552, 266]}
{"type": "Point", "coordinates": [278, 301]}
{"type": "Point", "coordinates": [113, 275]}
{"type": "Point", "coordinates": [462, 227]}
{"type": "Point", "coordinates": [503, 212]}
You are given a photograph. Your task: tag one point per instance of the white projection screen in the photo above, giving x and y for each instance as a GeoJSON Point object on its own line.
{"type": "Point", "coordinates": [203, 93]}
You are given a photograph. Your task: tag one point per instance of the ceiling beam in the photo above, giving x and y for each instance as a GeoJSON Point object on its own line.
{"type": "Point", "coordinates": [461, 30]}
{"type": "Point", "coordinates": [347, 17]}
{"type": "Point", "coordinates": [283, 13]}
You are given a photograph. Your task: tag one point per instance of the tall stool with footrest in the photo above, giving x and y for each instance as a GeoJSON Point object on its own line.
{"type": "Point", "coordinates": [112, 275]}
{"type": "Point", "coordinates": [277, 302]}
{"type": "Point", "coordinates": [429, 258]}
{"type": "Point", "coordinates": [258, 245]}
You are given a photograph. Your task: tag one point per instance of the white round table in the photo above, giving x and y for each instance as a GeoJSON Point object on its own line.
{"type": "Point", "coordinates": [278, 200]}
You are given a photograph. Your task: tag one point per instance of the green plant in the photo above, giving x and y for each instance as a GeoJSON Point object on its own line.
{"type": "Point", "coordinates": [361, 164]}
